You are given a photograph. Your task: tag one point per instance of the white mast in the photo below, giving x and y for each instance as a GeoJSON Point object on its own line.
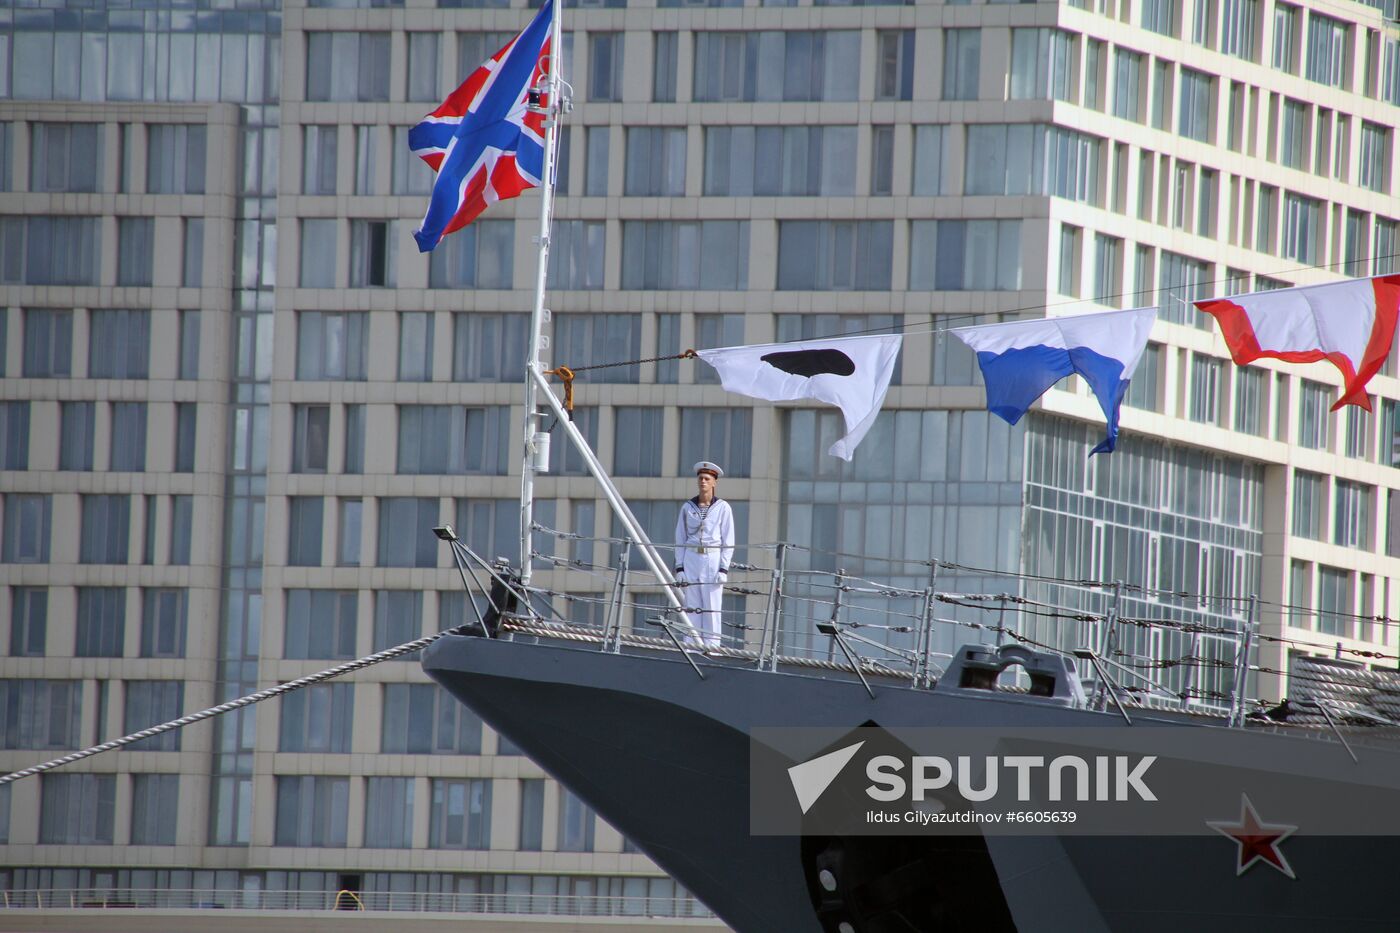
{"type": "Point", "coordinates": [534, 376]}
{"type": "Point", "coordinates": [532, 361]}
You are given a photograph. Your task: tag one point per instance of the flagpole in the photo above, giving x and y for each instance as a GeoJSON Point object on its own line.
{"type": "Point", "coordinates": [532, 362]}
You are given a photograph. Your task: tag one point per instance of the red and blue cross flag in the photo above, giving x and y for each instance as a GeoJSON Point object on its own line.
{"type": "Point", "coordinates": [484, 142]}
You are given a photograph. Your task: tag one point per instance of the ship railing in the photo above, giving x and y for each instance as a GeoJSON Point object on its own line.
{"type": "Point", "coordinates": [191, 899]}
{"type": "Point", "coordinates": [787, 603]}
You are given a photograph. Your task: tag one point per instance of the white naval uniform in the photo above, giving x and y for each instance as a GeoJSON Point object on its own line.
{"type": "Point", "coordinates": [704, 548]}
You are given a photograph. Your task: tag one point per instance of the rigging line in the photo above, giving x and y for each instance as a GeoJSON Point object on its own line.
{"type": "Point", "coordinates": [337, 671]}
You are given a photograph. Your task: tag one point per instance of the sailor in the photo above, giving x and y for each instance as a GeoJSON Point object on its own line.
{"type": "Point", "coordinates": [704, 548]}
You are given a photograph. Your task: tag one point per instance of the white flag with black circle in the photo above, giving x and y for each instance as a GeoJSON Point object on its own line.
{"type": "Point", "coordinates": [852, 373]}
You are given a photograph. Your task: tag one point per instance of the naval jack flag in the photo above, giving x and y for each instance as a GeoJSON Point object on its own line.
{"type": "Point", "coordinates": [486, 141]}
{"type": "Point", "coordinates": [852, 373]}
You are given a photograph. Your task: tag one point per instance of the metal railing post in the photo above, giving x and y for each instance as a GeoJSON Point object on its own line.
{"type": "Point", "coordinates": [1237, 694]}
{"type": "Point", "coordinates": [836, 611]}
{"type": "Point", "coordinates": [1108, 643]}
{"type": "Point", "coordinates": [923, 644]}
{"type": "Point", "coordinates": [769, 638]}
{"type": "Point", "coordinates": [612, 627]}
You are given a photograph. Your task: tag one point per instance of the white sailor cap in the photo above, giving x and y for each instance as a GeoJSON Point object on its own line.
{"type": "Point", "coordinates": [705, 466]}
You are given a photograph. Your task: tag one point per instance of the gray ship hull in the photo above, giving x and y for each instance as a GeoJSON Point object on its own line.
{"type": "Point", "coordinates": [664, 757]}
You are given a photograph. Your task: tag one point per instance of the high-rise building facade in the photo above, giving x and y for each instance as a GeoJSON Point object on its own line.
{"type": "Point", "coordinates": [236, 398]}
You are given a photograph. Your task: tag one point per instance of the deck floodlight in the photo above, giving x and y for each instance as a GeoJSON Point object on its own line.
{"type": "Point", "coordinates": [445, 533]}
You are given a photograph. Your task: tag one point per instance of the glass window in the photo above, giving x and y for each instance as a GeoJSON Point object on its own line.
{"type": "Point", "coordinates": [354, 439]}
{"type": "Point", "coordinates": [163, 623]}
{"type": "Point", "coordinates": [320, 624]}
{"type": "Point", "coordinates": [318, 250]}
{"type": "Point", "coordinates": [27, 526]}
{"type": "Point", "coordinates": [576, 254]}
{"type": "Point", "coordinates": [962, 63]}
{"type": "Point", "coordinates": [416, 348]}
{"type": "Point", "coordinates": [1352, 522]}
{"type": "Point", "coordinates": [1205, 390]}
{"type": "Point", "coordinates": [777, 65]}
{"type": "Point", "coordinates": [192, 255]}
{"type": "Point", "coordinates": [317, 719]}
{"type": "Point", "coordinates": [40, 714]}
{"type": "Point", "coordinates": [311, 811]}
{"type": "Point", "coordinates": [40, 250]}
{"type": "Point", "coordinates": [189, 345]}
{"type": "Point", "coordinates": [1041, 64]}
{"type": "Point", "coordinates": [106, 528]}
{"type": "Point", "coordinates": [1335, 601]}
{"type": "Point", "coordinates": [1375, 156]}
{"type": "Point", "coordinates": [29, 621]}
{"type": "Point", "coordinates": [655, 161]}
{"type": "Point", "coordinates": [119, 345]}
{"type": "Point", "coordinates": [564, 458]}
{"type": "Point", "coordinates": [835, 255]}
{"type": "Point", "coordinates": [366, 153]}
{"type": "Point", "coordinates": [135, 250]}
{"type": "Point", "coordinates": [596, 162]}
{"type": "Point", "coordinates": [722, 435]}
{"type": "Point", "coordinates": [481, 255]}
{"type": "Point", "coordinates": [531, 815]}
{"type": "Point", "coordinates": [1197, 107]}
{"type": "Point", "coordinates": [461, 814]}
{"type": "Point", "coordinates": [77, 809]}
{"type": "Point", "coordinates": [77, 423]}
{"type": "Point", "coordinates": [405, 532]}
{"type": "Point", "coordinates": [65, 156]}
{"type": "Point", "coordinates": [1314, 426]}
{"type": "Point", "coordinates": [372, 253]}
{"type": "Point", "coordinates": [7, 140]}
{"type": "Point", "coordinates": [1144, 389]}
{"type": "Point", "coordinates": [347, 66]}
{"type": "Point", "coordinates": [175, 156]}
{"type": "Point", "coordinates": [1251, 400]}
{"type": "Point", "coordinates": [882, 160]}
{"type": "Point", "coordinates": [351, 530]}
{"type": "Point", "coordinates": [101, 622]}
{"type": "Point", "coordinates": [1285, 52]}
{"type": "Point", "coordinates": [1302, 227]}
{"type": "Point", "coordinates": [48, 343]}
{"type": "Point", "coordinates": [636, 441]}
{"type": "Point", "coordinates": [304, 522]}
{"type": "Point", "coordinates": [576, 823]}
{"type": "Point", "coordinates": [585, 339]}
{"type": "Point", "coordinates": [1108, 270]}
{"type": "Point", "coordinates": [489, 347]}
{"type": "Point", "coordinates": [424, 719]}
{"type": "Point", "coordinates": [150, 703]}
{"type": "Point", "coordinates": [1237, 28]}
{"type": "Point", "coordinates": [311, 426]}
{"type": "Point", "coordinates": [491, 527]}
{"type": "Point", "coordinates": [959, 255]}
{"type": "Point", "coordinates": [318, 159]}
{"type": "Point", "coordinates": [894, 64]}
{"type": "Point", "coordinates": [605, 66]}
{"type": "Point", "coordinates": [663, 64]}
{"type": "Point", "coordinates": [186, 436]}
{"type": "Point", "coordinates": [1029, 159]}
{"type": "Point", "coordinates": [716, 330]}
{"type": "Point", "coordinates": [1160, 16]}
{"type": "Point", "coordinates": [1328, 48]}
{"type": "Point", "coordinates": [181, 529]}
{"type": "Point", "coordinates": [398, 618]}
{"type": "Point", "coordinates": [411, 175]}
{"type": "Point", "coordinates": [423, 66]}
{"type": "Point", "coordinates": [1127, 84]}
{"type": "Point", "coordinates": [388, 812]}
{"type": "Point", "coordinates": [436, 439]}
{"type": "Point", "coordinates": [1293, 147]}
{"type": "Point", "coordinates": [1182, 280]}
{"type": "Point", "coordinates": [661, 255]}
{"type": "Point", "coordinates": [155, 808]}
{"type": "Point", "coordinates": [930, 159]}
{"type": "Point", "coordinates": [128, 451]}
{"type": "Point", "coordinates": [332, 346]}
{"type": "Point", "coordinates": [780, 161]}
{"type": "Point", "coordinates": [14, 433]}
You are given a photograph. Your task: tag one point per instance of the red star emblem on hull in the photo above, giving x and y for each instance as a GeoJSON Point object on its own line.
{"type": "Point", "coordinates": [1258, 841]}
